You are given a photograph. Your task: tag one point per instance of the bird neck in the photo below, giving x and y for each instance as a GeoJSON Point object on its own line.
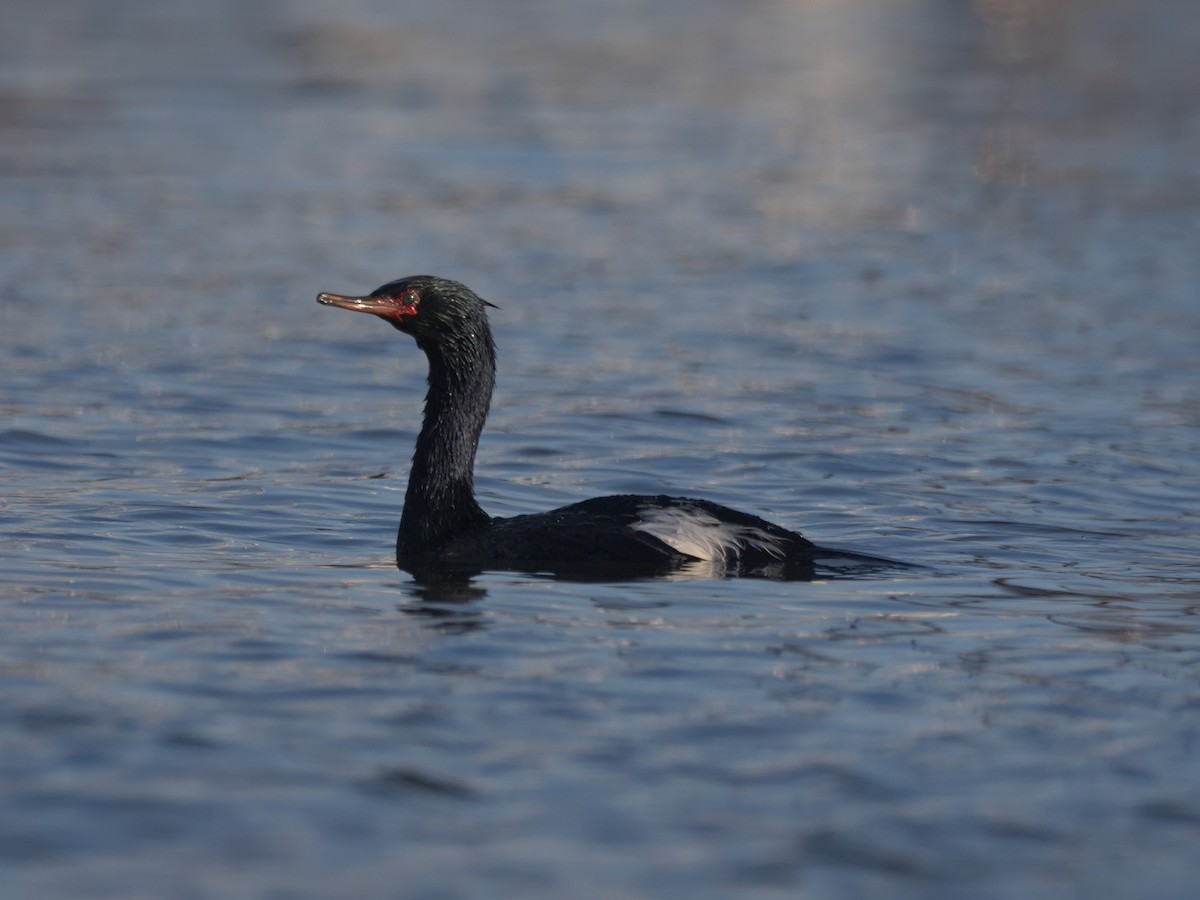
{"type": "Point", "coordinates": [440, 501]}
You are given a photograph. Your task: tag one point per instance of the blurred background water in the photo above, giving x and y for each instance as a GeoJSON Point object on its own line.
{"type": "Point", "coordinates": [918, 278]}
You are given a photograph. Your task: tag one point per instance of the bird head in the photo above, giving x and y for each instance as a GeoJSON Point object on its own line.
{"type": "Point", "coordinates": [433, 310]}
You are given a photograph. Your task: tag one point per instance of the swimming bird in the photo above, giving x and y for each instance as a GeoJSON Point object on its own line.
{"type": "Point", "coordinates": [444, 529]}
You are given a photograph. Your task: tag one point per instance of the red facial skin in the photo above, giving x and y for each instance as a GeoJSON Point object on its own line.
{"type": "Point", "coordinates": [397, 308]}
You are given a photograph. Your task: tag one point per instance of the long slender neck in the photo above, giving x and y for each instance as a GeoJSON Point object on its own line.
{"type": "Point", "coordinates": [440, 500]}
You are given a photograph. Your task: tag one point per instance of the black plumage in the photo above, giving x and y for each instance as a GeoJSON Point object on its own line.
{"type": "Point", "coordinates": [443, 528]}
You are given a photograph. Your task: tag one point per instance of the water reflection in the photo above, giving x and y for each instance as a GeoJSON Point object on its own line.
{"type": "Point", "coordinates": [455, 583]}
{"type": "Point", "coordinates": [447, 601]}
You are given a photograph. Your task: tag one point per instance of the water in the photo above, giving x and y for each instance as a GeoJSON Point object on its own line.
{"type": "Point", "coordinates": [916, 278]}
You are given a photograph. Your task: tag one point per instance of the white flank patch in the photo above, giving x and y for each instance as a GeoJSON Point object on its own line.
{"type": "Point", "coordinates": [696, 533]}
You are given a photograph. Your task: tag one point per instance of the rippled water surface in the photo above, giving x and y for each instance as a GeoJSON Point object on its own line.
{"type": "Point", "coordinates": [917, 278]}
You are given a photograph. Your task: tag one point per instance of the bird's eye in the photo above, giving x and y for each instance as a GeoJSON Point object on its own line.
{"type": "Point", "coordinates": [407, 303]}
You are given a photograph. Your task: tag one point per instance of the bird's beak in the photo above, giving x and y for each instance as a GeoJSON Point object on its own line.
{"type": "Point", "coordinates": [377, 305]}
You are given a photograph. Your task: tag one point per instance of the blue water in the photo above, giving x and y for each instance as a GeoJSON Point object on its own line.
{"type": "Point", "coordinates": [919, 279]}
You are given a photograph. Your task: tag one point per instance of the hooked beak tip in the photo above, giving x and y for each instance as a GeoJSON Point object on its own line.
{"type": "Point", "coordinates": [354, 304]}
